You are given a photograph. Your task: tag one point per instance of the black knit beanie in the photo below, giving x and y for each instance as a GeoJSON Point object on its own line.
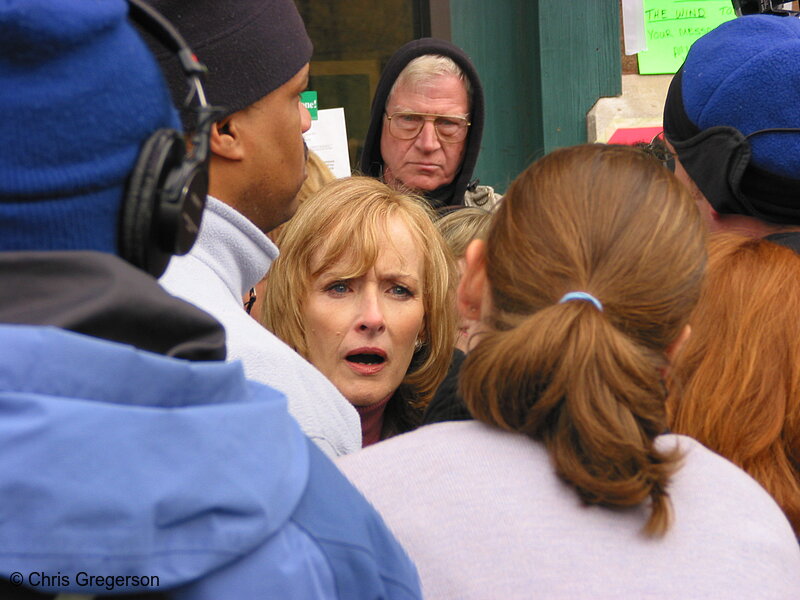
{"type": "Point", "coordinates": [251, 47]}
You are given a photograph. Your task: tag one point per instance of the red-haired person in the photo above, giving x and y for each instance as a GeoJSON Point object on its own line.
{"type": "Point", "coordinates": [736, 382]}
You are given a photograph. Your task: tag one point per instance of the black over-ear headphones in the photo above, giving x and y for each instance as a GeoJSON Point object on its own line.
{"type": "Point", "coordinates": [719, 161]}
{"type": "Point", "coordinates": [166, 191]}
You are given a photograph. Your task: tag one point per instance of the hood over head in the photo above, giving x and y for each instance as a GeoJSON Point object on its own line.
{"type": "Point", "coordinates": [371, 161]}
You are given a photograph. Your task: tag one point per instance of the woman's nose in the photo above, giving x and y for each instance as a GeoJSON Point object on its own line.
{"type": "Point", "coordinates": [371, 317]}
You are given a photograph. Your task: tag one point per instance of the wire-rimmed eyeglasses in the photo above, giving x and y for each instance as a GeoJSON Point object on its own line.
{"type": "Point", "coordinates": [450, 129]}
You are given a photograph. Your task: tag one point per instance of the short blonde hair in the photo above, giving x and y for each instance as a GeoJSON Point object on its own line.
{"type": "Point", "coordinates": [348, 218]}
{"type": "Point", "coordinates": [462, 225]}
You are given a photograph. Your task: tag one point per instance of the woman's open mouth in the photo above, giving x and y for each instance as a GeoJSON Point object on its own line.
{"type": "Point", "coordinates": [366, 361]}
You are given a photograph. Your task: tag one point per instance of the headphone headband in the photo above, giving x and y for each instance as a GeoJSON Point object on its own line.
{"type": "Point", "coordinates": [167, 189]}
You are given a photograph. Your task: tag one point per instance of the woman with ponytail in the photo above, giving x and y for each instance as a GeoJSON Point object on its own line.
{"type": "Point", "coordinates": [567, 483]}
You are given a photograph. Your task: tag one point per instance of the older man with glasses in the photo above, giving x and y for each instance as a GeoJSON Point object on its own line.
{"type": "Point", "coordinates": [426, 125]}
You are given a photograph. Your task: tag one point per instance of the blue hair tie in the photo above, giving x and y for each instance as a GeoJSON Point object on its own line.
{"type": "Point", "coordinates": [581, 296]}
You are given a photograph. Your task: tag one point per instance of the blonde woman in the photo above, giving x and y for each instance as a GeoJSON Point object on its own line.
{"type": "Point", "coordinates": [363, 289]}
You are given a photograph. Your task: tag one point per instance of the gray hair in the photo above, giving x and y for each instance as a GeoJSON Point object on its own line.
{"type": "Point", "coordinates": [428, 66]}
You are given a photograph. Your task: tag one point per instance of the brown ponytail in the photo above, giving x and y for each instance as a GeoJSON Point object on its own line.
{"type": "Point", "coordinates": [612, 222]}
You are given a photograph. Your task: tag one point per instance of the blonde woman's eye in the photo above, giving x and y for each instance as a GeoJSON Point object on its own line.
{"type": "Point", "coordinates": [401, 291]}
{"type": "Point", "coordinates": [338, 287]}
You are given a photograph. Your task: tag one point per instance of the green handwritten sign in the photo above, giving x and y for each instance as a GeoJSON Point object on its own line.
{"type": "Point", "coordinates": [309, 100]}
{"type": "Point", "coordinates": [672, 26]}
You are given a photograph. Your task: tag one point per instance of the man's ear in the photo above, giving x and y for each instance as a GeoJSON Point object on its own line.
{"type": "Point", "coordinates": [226, 140]}
{"type": "Point", "coordinates": [471, 297]}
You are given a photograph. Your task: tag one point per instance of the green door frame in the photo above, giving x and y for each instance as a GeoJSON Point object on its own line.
{"type": "Point", "coordinates": [543, 64]}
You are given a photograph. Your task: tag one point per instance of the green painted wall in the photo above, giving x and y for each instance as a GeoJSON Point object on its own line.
{"type": "Point", "coordinates": [543, 64]}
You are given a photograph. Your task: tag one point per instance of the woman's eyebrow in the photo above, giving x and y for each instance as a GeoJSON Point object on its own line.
{"type": "Point", "coordinates": [399, 275]}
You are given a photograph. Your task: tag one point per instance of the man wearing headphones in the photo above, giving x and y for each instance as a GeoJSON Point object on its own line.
{"type": "Point", "coordinates": [731, 119]}
{"type": "Point", "coordinates": [257, 54]}
{"type": "Point", "coordinates": [134, 459]}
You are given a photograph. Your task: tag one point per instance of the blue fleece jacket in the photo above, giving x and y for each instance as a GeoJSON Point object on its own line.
{"type": "Point", "coordinates": [118, 462]}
